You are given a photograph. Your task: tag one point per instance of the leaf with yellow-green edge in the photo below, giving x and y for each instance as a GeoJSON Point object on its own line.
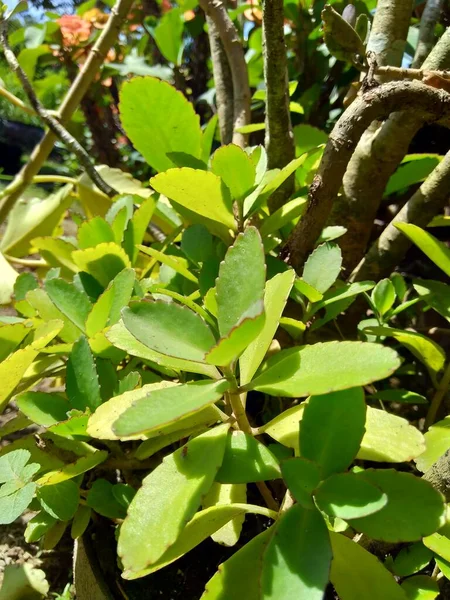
{"type": "Point", "coordinates": [222, 494]}
{"type": "Point", "coordinates": [300, 371]}
{"type": "Point", "coordinates": [57, 253]}
{"type": "Point", "coordinates": [135, 232]}
{"type": "Point", "coordinates": [332, 428]}
{"type": "Point", "coordinates": [167, 406]}
{"type": "Point", "coordinates": [174, 490]}
{"type": "Point", "coordinates": [177, 263]}
{"type": "Point", "coordinates": [436, 250]}
{"type": "Point", "coordinates": [439, 543]}
{"type": "Point", "coordinates": [169, 329]}
{"type": "Point", "coordinates": [120, 337]}
{"type": "Point", "coordinates": [14, 367]}
{"type": "Point", "coordinates": [356, 574]}
{"type": "Point", "coordinates": [106, 311]}
{"type": "Point", "coordinates": [33, 218]}
{"type": "Point", "coordinates": [42, 408]}
{"type": "Point", "coordinates": [296, 562]}
{"type": "Point", "coordinates": [47, 311]}
{"type": "Point", "coordinates": [236, 170]}
{"type": "Point", "coordinates": [103, 262]}
{"type": "Point", "coordinates": [426, 350]}
{"type": "Point", "coordinates": [246, 460]}
{"type": "Point", "coordinates": [67, 298]}
{"type": "Point", "coordinates": [71, 470]}
{"type": "Point", "coordinates": [199, 191]}
{"type": "Point", "coordinates": [82, 386]}
{"type": "Point", "coordinates": [102, 348]}
{"type": "Point", "coordinates": [205, 523]}
{"type": "Point", "coordinates": [426, 507]}
{"type": "Point", "coordinates": [287, 213]}
{"type": "Point", "coordinates": [230, 346]}
{"type": "Point", "coordinates": [437, 442]}
{"type": "Point", "coordinates": [8, 276]}
{"type": "Point", "coordinates": [158, 119]}
{"type": "Point", "coordinates": [307, 290]}
{"type": "Point", "coordinates": [93, 232]}
{"type": "Point", "coordinates": [389, 438]}
{"type": "Point", "coordinates": [239, 576]}
{"type": "Point", "coordinates": [96, 202]}
{"type": "Point", "coordinates": [11, 335]}
{"type": "Point", "coordinates": [284, 427]}
{"type": "Point", "coordinates": [275, 297]}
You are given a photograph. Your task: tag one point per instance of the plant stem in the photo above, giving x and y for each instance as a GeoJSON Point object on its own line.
{"type": "Point", "coordinates": [26, 262]}
{"type": "Point", "coordinates": [16, 101]}
{"type": "Point", "coordinates": [54, 179]}
{"type": "Point", "coordinates": [439, 395]}
{"type": "Point", "coordinates": [239, 413]}
{"type": "Point", "coordinates": [428, 20]}
{"type": "Point", "coordinates": [53, 124]}
{"type": "Point", "coordinates": [267, 495]}
{"type": "Point", "coordinates": [73, 98]}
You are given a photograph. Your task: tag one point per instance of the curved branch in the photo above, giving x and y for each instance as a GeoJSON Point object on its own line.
{"type": "Point", "coordinates": [279, 135]}
{"type": "Point", "coordinates": [431, 104]}
{"type": "Point", "coordinates": [224, 84]}
{"type": "Point", "coordinates": [236, 60]}
{"type": "Point", "coordinates": [430, 17]}
{"type": "Point", "coordinates": [429, 200]}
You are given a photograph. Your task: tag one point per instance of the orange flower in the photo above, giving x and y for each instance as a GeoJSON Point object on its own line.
{"type": "Point", "coordinates": [189, 15]}
{"type": "Point", "coordinates": [74, 30]}
{"type": "Point", "coordinates": [253, 14]}
{"type": "Point", "coordinates": [96, 17]}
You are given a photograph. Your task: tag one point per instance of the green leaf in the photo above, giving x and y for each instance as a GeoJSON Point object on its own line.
{"type": "Point", "coordinates": [275, 298]}
{"type": "Point", "coordinates": [168, 35]}
{"type": "Point", "coordinates": [42, 408]}
{"type": "Point", "coordinates": [342, 293]}
{"type": "Point", "coordinates": [34, 218]}
{"type": "Point", "coordinates": [177, 263]}
{"type": "Point", "coordinates": [284, 215]}
{"type": "Point", "coordinates": [439, 543]}
{"type": "Point", "coordinates": [208, 135]}
{"type": "Point", "coordinates": [300, 371]}
{"type": "Point", "coordinates": [411, 172]}
{"type": "Point", "coordinates": [23, 582]}
{"type": "Point", "coordinates": [38, 526]}
{"type": "Point", "coordinates": [435, 250]}
{"type": "Point", "coordinates": [58, 253]}
{"type": "Point", "coordinates": [103, 262]}
{"type": "Point", "coordinates": [383, 296]}
{"type": "Point", "coordinates": [82, 387]}
{"type": "Point", "coordinates": [236, 170]}
{"type": "Point", "coordinates": [167, 406]}
{"type": "Point", "coordinates": [246, 460]}
{"type": "Point", "coordinates": [12, 505]}
{"type": "Point", "coordinates": [106, 311]}
{"type": "Point", "coordinates": [135, 232]}
{"type": "Point", "coordinates": [10, 337]}
{"type": "Point", "coordinates": [170, 329]}
{"type": "Point", "coordinates": [330, 233]}
{"type": "Point", "coordinates": [122, 338]}
{"type": "Point", "coordinates": [158, 120]}
{"type": "Point", "coordinates": [24, 283]}
{"type": "Point", "coordinates": [12, 465]}
{"type": "Point", "coordinates": [47, 311]}
{"type": "Point", "coordinates": [221, 494]}
{"type": "Point", "coordinates": [358, 575]}
{"type": "Point", "coordinates": [340, 38]}
{"type": "Point", "coordinates": [307, 290]}
{"type": "Point", "coordinates": [93, 232]}
{"type": "Point", "coordinates": [69, 300]}
{"type": "Point", "coordinates": [239, 576]}
{"type": "Point", "coordinates": [302, 476]}
{"type": "Point", "coordinates": [425, 512]}
{"type": "Point", "coordinates": [323, 267]}
{"type": "Point", "coordinates": [296, 562]}
{"type": "Point", "coordinates": [437, 442]}
{"type": "Point", "coordinates": [200, 191]}
{"type": "Point", "coordinates": [174, 491]}
{"type": "Point", "coordinates": [423, 348]}
{"type": "Point", "coordinates": [13, 368]}
{"type": "Point", "coordinates": [421, 587]}
{"type": "Point", "coordinates": [60, 500]}
{"type": "Point", "coordinates": [347, 496]}
{"type": "Point", "coordinates": [71, 470]}
{"type": "Point", "coordinates": [197, 243]}
{"type": "Point", "coordinates": [205, 523]}
{"type": "Point", "coordinates": [8, 277]}
{"type": "Point", "coordinates": [390, 438]}
{"type": "Point", "coordinates": [80, 521]}
{"type": "Point", "coordinates": [332, 429]}
{"type": "Point", "coordinates": [101, 499]}
{"type": "Point", "coordinates": [399, 395]}
{"type": "Point", "coordinates": [436, 294]}
{"type": "Point", "coordinates": [412, 559]}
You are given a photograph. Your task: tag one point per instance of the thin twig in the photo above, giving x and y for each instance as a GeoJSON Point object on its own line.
{"type": "Point", "coordinates": [16, 101]}
{"type": "Point", "coordinates": [70, 103]}
{"type": "Point", "coordinates": [59, 130]}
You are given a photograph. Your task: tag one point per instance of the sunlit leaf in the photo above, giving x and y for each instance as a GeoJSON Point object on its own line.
{"type": "Point", "coordinates": [436, 250]}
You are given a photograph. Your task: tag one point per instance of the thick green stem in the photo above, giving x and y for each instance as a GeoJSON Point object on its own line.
{"type": "Point", "coordinates": [428, 201]}
{"type": "Point", "coordinates": [279, 136]}
{"type": "Point", "coordinates": [73, 98]}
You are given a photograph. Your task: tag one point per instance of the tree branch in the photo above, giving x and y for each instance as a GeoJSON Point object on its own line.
{"type": "Point", "coordinates": [428, 21]}
{"type": "Point", "coordinates": [236, 60]}
{"type": "Point", "coordinates": [430, 104]}
{"type": "Point", "coordinates": [428, 201]}
{"type": "Point", "coordinates": [59, 130]}
{"type": "Point", "coordinates": [376, 158]}
{"type": "Point", "coordinates": [73, 98]}
{"type": "Point", "coordinates": [223, 82]}
{"type": "Point", "coordinates": [279, 136]}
